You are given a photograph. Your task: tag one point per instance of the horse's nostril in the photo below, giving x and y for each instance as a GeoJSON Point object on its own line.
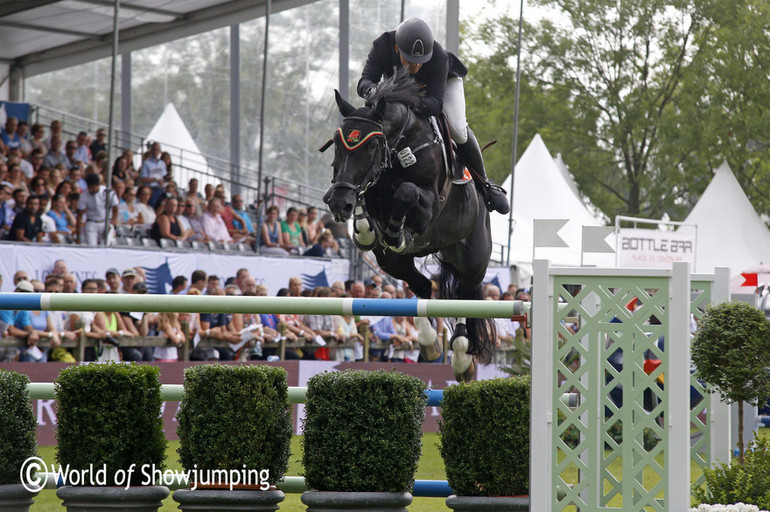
{"type": "Point", "coordinates": [348, 210]}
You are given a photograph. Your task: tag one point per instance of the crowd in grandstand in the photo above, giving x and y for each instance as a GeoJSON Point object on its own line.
{"type": "Point", "coordinates": [52, 190]}
{"type": "Point", "coordinates": [244, 336]}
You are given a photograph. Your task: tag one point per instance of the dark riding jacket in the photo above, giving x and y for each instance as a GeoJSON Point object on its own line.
{"type": "Point", "coordinates": [383, 59]}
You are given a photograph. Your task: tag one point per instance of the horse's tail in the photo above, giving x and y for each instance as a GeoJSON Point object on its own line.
{"type": "Point", "coordinates": [481, 331]}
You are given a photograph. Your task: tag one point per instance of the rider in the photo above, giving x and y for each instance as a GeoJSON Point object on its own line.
{"type": "Point", "coordinates": [440, 73]}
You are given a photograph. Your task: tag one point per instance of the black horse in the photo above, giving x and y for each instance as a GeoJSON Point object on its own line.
{"type": "Point", "coordinates": [390, 172]}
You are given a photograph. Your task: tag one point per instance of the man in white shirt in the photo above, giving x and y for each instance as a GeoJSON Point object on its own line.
{"type": "Point", "coordinates": [93, 204]}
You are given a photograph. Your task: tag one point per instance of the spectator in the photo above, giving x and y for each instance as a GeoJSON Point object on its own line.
{"type": "Point", "coordinates": [208, 191]}
{"type": "Point", "coordinates": [92, 206]}
{"type": "Point", "coordinates": [6, 210]}
{"type": "Point", "coordinates": [110, 325]}
{"type": "Point", "coordinates": [324, 327]}
{"type": "Point", "coordinates": [339, 229]}
{"type": "Point", "coordinates": [313, 227]}
{"type": "Point", "coordinates": [166, 159]}
{"type": "Point", "coordinates": [37, 187]}
{"type": "Point", "coordinates": [144, 194]}
{"type": "Point", "coordinates": [59, 268]}
{"type": "Point", "coordinates": [402, 337]}
{"type": "Point", "coordinates": [79, 184]}
{"type": "Point", "coordinates": [238, 221]}
{"type": "Point", "coordinates": [112, 277]}
{"type": "Point", "coordinates": [170, 328]}
{"type": "Point", "coordinates": [179, 285]}
{"type": "Point", "coordinates": [99, 144]}
{"type": "Point", "coordinates": [271, 242]}
{"type": "Point", "coordinates": [347, 332]}
{"type": "Point", "coordinates": [27, 169]}
{"type": "Point", "coordinates": [291, 232]}
{"type": "Point", "coordinates": [213, 225]}
{"type": "Point", "coordinates": [36, 162]}
{"type": "Point", "coordinates": [132, 172]}
{"type": "Point", "coordinates": [82, 153]}
{"type": "Point", "coordinates": [23, 132]}
{"type": "Point", "coordinates": [21, 327]}
{"type": "Point", "coordinates": [129, 280]}
{"type": "Point", "coordinates": [16, 178]}
{"type": "Point", "coordinates": [212, 283]}
{"type": "Point", "coordinates": [69, 283]}
{"type": "Point", "coordinates": [59, 322]}
{"type": "Point", "coordinates": [128, 212]}
{"type": "Point", "coordinates": [167, 224]}
{"type": "Point", "coordinates": [55, 155]}
{"type": "Point", "coordinates": [153, 172]}
{"type": "Point", "coordinates": [240, 277]}
{"type": "Point", "coordinates": [295, 286]}
{"type": "Point", "coordinates": [36, 142]}
{"type": "Point", "coordinates": [338, 288]}
{"type": "Point", "coordinates": [27, 225]}
{"type": "Point", "coordinates": [194, 196]}
{"type": "Point", "coordinates": [8, 134]}
{"type": "Point", "coordinates": [318, 250]}
{"type": "Point", "coordinates": [249, 286]}
{"type": "Point", "coordinates": [50, 233]}
{"type": "Point", "coordinates": [120, 169]}
{"type": "Point", "coordinates": [56, 131]}
{"type": "Point", "coordinates": [198, 281]}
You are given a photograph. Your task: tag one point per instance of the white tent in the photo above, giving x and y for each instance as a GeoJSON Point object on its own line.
{"type": "Point", "coordinates": [542, 191]}
{"type": "Point", "coordinates": [174, 137]}
{"type": "Point", "coordinates": [730, 233]}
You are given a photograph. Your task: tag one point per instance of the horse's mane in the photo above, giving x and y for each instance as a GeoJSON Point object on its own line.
{"type": "Point", "coordinates": [400, 88]}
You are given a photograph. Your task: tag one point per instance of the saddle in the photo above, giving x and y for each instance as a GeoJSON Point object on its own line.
{"type": "Point", "coordinates": [454, 167]}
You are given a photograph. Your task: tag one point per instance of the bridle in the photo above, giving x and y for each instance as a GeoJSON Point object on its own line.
{"type": "Point", "coordinates": [351, 144]}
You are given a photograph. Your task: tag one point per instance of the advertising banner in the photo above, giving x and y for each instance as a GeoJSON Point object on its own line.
{"type": "Point", "coordinates": [650, 248]}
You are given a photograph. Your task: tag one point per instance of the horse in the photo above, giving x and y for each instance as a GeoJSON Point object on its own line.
{"type": "Point", "coordinates": [390, 174]}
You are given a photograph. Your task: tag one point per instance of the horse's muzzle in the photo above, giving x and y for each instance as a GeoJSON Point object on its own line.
{"type": "Point", "coordinates": [341, 202]}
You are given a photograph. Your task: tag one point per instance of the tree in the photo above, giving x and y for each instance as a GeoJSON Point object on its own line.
{"type": "Point", "coordinates": [731, 350]}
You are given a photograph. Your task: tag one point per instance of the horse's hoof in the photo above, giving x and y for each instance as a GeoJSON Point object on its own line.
{"type": "Point", "coordinates": [462, 362]}
{"type": "Point", "coordinates": [428, 338]}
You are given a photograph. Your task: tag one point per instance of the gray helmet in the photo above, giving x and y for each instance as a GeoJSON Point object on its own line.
{"type": "Point", "coordinates": [415, 40]}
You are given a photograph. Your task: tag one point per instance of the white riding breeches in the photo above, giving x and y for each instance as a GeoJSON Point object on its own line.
{"type": "Point", "coordinates": [454, 109]}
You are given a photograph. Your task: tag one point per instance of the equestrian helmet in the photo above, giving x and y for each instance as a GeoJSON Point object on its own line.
{"type": "Point", "coordinates": [414, 39]}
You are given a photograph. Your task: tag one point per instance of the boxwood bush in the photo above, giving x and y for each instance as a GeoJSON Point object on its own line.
{"type": "Point", "coordinates": [109, 416]}
{"type": "Point", "coordinates": [234, 417]}
{"type": "Point", "coordinates": [18, 427]}
{"type": "Point", "coordinates": [363, 431]}
{"type": "Point", "coordinates": [484, 437]}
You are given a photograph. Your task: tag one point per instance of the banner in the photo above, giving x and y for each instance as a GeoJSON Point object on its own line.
{"type": "Point", "coordinates": [160, 267]}
{"type": "Point", "coordinates": [650, 248]}
{"type": "Point", "coordinates": [435, 375]}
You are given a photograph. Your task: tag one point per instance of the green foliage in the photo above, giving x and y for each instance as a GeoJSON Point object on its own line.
{"type": "Point", "coordinates": [748, 483]}
{"type": "Point", "coordinates": [109, 416]}
{"type": "Point", "coordinates": [18, 440]}
{"type": "Point", "coordinates": [731, 350]}
{"type": "Point", "coordinates": [363, 431]}
{"type": "Point", "coordinates": [235, 416]}
{"type": "Point", "coordinates": [485, 437]}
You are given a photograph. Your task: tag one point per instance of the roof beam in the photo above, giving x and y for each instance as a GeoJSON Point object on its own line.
{"type": "Point", "coordinates": [127, 5]}
{"type": "Point", "coordinates": [136, 38]}
{"type": "Point", "coordinates": [55, 30]}
{"type": "Point", "coordinates": [14, 6]}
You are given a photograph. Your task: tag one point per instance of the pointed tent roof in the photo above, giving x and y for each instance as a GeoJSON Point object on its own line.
{"type": "Point", "coordinates": [174, 137]}
{"type": "Point", "coordinates": [542, 192]}
{"type": "Point", "coordinates": [730, 233]}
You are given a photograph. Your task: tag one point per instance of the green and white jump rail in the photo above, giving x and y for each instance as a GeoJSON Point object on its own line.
{"type": "Point", "coordinates": [279, 305]}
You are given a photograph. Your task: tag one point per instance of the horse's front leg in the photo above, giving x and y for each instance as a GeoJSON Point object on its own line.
{"type": "Point", "coordinates": [411, 204]}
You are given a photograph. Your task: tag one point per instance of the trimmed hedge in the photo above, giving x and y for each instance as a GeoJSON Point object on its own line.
{"type": "Point", "coordinates": [18, 439]}
{"type": "Point", "coordinates": [235, 416]}
{"type": "Point", "coordinates": [109, 416]}
{"type": "Point", "coordinates": [363, 431]}
{"type": "Point", "coordinates": [484, 438]}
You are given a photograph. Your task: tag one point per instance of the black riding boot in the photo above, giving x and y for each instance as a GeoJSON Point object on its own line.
{"type": "Point", "coordinates": [494, 196]}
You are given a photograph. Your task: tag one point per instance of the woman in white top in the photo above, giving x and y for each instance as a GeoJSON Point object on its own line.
{"type": "Point", "coordinates": [144, 194]}
{"type": "Point", "coordinates": [348, 331]}
{"type": "Point", "coordinates": [169, 327]}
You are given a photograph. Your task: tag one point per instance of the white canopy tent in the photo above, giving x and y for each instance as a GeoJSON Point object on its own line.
{"type": "Point", "coordinates": [730, 233]}
{"type": "Point", "coordinates": [174, 137]}
{"type": "Point", "coordinates": [542, 191]}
